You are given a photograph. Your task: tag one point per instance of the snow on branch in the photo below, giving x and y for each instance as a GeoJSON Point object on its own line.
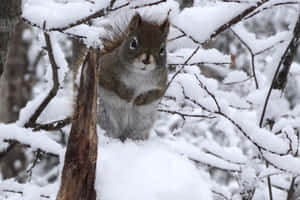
{"type": "Point", "coordinates": [12, 134]}
{"type": "Point", "coordinates": [32, 120]}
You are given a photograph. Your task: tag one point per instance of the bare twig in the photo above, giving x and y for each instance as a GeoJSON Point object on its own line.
{"type": "Point", "coordinates": [220, 113]}
{"type": "Point", "coordinates": [237, 19]}
{"type": "Point", "coordinates": [181, 68]}
{"type": "Point", "coordinates": [252, 57]}
{"type": "Point", "coordinates": [183, 115]}
{"type": "Point", "coordinates": [186, 35]}
{"type": "Point", "coordinates": [201, 63]}
{"type": "Point", "coordinates": [15, 142]}
{"type": "Point", "coordinates": [35, 161]}
{"type": "Point", "coordinates": [21, 193]}
{"type": "Point", "coordinates": [201, 84]}
{"type": "Point", "coordinates": [271, 6]}
{"type": "Point", "coordinates": [220, 194]}
{"type": "Point", "coordinates": [237, 82]}
{"type": "Point", "coordinates": [219, 30]}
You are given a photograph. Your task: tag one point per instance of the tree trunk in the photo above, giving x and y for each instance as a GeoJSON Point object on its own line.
{"type": "Point", "coordinates": [78, 175]}
{"type": "Point", "coordinates": [9, 15]}
{"type": "Point", "coordinates": [14, 91]}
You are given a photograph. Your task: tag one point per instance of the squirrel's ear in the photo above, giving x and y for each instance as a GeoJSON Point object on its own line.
{"type": "Point", "coordinates": [135, 22]}
{"type": "Point", "coordinates": [164, 27]}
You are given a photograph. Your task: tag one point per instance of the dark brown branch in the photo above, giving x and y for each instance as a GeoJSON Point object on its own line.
{"type": "Point", "coordinates": [53, 125]}
{"type": "Point", "coordinates": [237, 19]}
{"type": "Point", "coordinates": [32, 120]}
{"type": "Point", "coordinates": [176, 38]}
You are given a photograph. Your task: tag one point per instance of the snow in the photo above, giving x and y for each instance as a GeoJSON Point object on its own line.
{"type": "Point", "coordinates": [202, 56]}
{"type": "Point", "coordinates": [235, 76]}
{"type": "Point", "coordinates": [259, 45]}
{"type": "Point", "coordinates": [231, 154]}
{"type": "Point", "coordinates": [258, 135]}
{"type": "Point", "coordinates": [288, 163]}
{"type": "Point", "coordinates": [60, 107]}
{"type": "Point", "coordinates": [59, 14]}
{"type": "Point", "coordinates": [194, 20]}
{"type": "Point", "coordinates": [147, 170]}
{"type": "Point", "coordinates": [197, 155]}
{"type": "Point", "coordinates": [37, 140]}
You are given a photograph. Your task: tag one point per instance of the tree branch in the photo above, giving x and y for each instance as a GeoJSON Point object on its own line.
{"type": "Point", "coordinates": [32, 120]}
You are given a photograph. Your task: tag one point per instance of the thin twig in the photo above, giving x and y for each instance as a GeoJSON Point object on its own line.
{"type": "Point", "coordinates": [32, 120]}
{"type": "Point", "coordinates": [252, 57]}
{"type": "Point", "coordinates": [269, 7]}
{"type": "Point", "coordinates": [21, 193]}
{"type": "Point", "coordinates": [35, 161]}
{"type": "Point", "coordinates": [15, 142]}
{"type": "Point", "coordinates": [181, 68]}
{"type": "Point", "coordinates": [183, 115]}
{"type": "Point", "coordinates": [200, 63]}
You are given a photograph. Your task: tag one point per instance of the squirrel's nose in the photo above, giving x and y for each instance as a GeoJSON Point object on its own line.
{"type": "Point", "coordinates": [146, 59]}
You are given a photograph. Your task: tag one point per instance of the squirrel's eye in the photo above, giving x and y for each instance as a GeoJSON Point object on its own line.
{"type": "Point", "coordinates": [133, 43]}
{"type": "Point", "coordinates": [162, 50]}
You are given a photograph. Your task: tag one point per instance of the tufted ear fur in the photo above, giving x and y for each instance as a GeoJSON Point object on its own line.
{"type": "Point", "coordinates": [164, 27]}
{"type": "Point", "coordinates": [135, 22]}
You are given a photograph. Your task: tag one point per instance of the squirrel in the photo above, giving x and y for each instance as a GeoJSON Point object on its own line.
{"type": "Point", "coordinates": [132, 76]}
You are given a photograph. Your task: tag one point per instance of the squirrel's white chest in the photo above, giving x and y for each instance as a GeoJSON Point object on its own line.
{"type": "Point", "coordinates": [139, 82]}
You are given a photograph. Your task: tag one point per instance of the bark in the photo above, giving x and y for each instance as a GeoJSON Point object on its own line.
{"type": "Point", "coordinates": [9, 15]}
{"type": "Point", "coordinates": [80, 160]}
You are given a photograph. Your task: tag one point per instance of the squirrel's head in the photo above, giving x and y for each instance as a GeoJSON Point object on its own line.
{"type": "Point", "coordinates": [144, 46]}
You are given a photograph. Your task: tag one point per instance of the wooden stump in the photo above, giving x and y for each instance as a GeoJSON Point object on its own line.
{"type": "Point", "coordinates": [78, 175]}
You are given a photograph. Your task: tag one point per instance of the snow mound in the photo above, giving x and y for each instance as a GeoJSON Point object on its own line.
{"type": "Point", "coordinates": [147, 170]}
